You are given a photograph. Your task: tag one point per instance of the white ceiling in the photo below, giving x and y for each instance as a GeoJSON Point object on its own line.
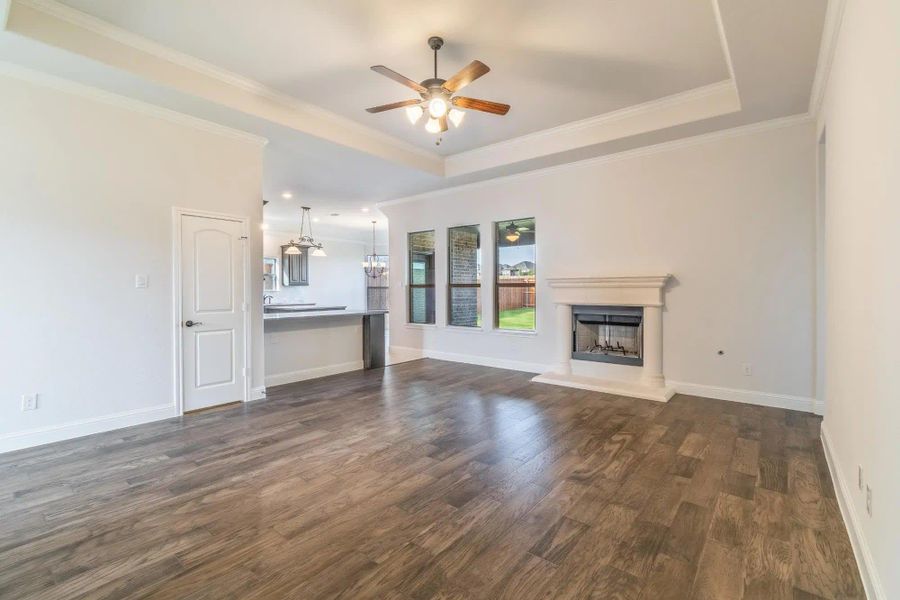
{"type": "Point", "coordinates": [554, 62]}
{"type": "Point", "coordinates": [589, 56]}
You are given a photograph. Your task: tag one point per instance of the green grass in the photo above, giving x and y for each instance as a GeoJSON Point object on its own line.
{"type": "Point", "coordinates": [517, 318]}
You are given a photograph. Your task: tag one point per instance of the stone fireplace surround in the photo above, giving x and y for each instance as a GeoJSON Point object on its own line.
{"type": "Point", "coordinates": [648, 381]}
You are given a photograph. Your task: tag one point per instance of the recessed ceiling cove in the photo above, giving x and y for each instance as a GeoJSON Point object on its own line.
{"type": "Point", "coordinates": [555, 62]}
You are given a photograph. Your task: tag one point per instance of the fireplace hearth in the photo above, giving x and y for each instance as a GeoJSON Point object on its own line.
{"type": "Point", "coordinates": [610, 334]}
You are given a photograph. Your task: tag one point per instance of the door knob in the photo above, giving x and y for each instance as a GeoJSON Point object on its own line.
{"type": "Point", "coordinates": [192, 323]}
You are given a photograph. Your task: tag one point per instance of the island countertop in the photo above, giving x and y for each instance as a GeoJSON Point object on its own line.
{"type": "Point", "coordinates": [319, 314]}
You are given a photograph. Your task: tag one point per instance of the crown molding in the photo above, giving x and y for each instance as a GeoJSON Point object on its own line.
{"type": "Point", "coordinates": [85, 91]}
{"type": "Point", "coordinates": [692, 105]}
{"type": "Point", "coordinates": [834, 16]}
{"type": "Point", "coordinates": [303, 116]}
{"type": "Point", "coordinates": [723, 40]}
{"type": "Point", "coordinates": [4, 13]}
{"type": "Point", "coordinates": [753, 128]}
{"type": "Point", "coordinates": [56, 24]}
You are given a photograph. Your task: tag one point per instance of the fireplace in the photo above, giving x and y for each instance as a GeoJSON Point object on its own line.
{"type": "Point", "coordinates": [610, 334]}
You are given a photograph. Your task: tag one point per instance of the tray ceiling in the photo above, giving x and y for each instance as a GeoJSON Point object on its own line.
{"type": "Point", "coordinates": [554, 62]}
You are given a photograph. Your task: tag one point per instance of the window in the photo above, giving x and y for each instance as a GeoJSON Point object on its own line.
{"type": "Point", "coordinates": [377, 287]}
{"type": "Point", "coordinates": [514, 268]}
{"type": "Point", "coordinates": [464, 290]}
{"type": "Point", "coordinates": [421, 276]}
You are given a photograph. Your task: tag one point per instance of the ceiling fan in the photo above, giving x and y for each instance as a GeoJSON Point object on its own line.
{"type": "Point", "coordinates": [437, 95]}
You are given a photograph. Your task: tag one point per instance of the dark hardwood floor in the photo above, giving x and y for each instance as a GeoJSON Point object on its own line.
{"type": "Point", "coordinates": [432, 480]}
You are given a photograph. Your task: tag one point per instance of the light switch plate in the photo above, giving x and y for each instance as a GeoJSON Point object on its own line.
{"type": "Point", "coordinates": [29, 402]}
{"type": "Point", "coordinates": [141, 281]}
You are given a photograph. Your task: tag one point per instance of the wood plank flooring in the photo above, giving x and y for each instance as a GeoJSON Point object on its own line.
{"type": "Point", "coordinates": [432, 480]}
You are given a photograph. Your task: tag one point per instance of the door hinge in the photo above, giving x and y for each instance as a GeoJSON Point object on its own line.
{"type": "Point", "coordinates": [245, 307]}
{"type": "Point", "coordinates": [243, 237]}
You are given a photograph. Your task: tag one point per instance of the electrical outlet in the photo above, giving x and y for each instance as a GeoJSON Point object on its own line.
{"type": "Point", "coordinates": [860, 477]}
{"type": "Point", "coordinates": [29, 402]}
{"type": "Point", "coordinates": [748, 369]}
{"type": "Point", "coordinates": [141, 281]}
{"type": "Point", "coordinates": [869, 500]}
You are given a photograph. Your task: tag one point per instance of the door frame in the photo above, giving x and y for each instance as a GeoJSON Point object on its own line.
{"type": "Point", "coordinates": [177, 214]}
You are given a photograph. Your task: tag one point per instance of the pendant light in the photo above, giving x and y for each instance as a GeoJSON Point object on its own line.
{"type": "Point", "coordinates": [512, 233]}
{"type": "Point", "coordinates": [306, 239]}
{"type": "Point", "coordinates": [373, 267]}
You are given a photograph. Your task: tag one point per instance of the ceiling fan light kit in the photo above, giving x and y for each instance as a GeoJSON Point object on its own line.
{"type": "Point", "coordinates": [437, 99]}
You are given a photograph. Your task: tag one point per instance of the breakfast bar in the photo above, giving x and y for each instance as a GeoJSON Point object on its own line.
{"type": "Point", "coordinates": [314, 342]}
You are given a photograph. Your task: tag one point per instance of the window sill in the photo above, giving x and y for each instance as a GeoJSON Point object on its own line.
{"type": "Point", "coordinates": [421, 326]}
{"type": "Point", "coordinates": [465, 329]}
{"type": "Point", "coordinates": [514, 332]}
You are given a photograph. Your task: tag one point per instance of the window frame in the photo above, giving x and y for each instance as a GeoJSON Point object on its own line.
{"type": "Point", "coordinates": [498, 285]}
{"type": "Point", "coordinates": [451, 285]}
{"type": "Point", "coordinates": [410, 286]}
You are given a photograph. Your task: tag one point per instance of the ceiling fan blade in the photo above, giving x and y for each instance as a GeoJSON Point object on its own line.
{"type": "Point", "coordinates": [443, 122]}
{"type": "Point", "coordinates": [393, 105]}
{"type": "Point", "coordinates": [487, 106]}
{"type": "Point", "coordinates": [467, 75]}
{"type": "Point", "coordinates": [399, 78]}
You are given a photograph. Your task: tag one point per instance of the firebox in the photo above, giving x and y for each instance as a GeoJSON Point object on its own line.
{"type": "Point", "coordinates": [611, 334]}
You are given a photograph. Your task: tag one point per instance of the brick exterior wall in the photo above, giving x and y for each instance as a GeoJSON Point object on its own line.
{"type": "Point", "coordinates": [421, 248]}
{"type": "Point", "coordinates": [464, 302]}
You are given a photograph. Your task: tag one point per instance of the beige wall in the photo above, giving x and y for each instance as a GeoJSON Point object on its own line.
{"type": "Point", "coordinates": [86, 195]}
{"type": "Point", "coordinates": [861, 125]}
{"type": "Point", "coordinates": [732, 218]}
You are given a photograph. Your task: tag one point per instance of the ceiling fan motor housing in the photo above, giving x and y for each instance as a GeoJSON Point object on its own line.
{"type": "Point", "coordinates": [435, 88]}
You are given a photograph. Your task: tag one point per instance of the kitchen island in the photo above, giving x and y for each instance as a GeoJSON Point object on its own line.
{"type": "Point", "coordinates": [309, 343]}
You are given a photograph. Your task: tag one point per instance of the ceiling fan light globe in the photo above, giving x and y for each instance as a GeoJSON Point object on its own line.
{"type": "Point", "coordinates": [414, 113]}
{"type": "Point", "coordinates": [456, 117]}
{"type": "Point", "coordinates": [437, 108]}
{"type": "Point", "coordinates": [433, 126]}
{"type": "Point", "coordinates": [512, 237]}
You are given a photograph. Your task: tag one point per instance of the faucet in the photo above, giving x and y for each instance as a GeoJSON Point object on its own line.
{"type": "Point", "coordinates": [267, 299]}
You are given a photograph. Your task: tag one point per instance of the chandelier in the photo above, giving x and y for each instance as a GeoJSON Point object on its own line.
{"type": "Point", "coordinates": [306, 240]}
{"type": "Point", "coordinates": [373, 267]}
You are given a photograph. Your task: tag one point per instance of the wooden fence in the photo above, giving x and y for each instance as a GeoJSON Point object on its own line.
{"type": "Point", "coordinates": [515, 297]}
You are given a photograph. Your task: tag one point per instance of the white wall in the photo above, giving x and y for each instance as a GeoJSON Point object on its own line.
{"type": "Point", "coordinates": [861, 121]}
{"type": "Point", "coordinates": [732, 218]}
{"type": "Point", "coordinates": [299, 349]}
{"type": "Point", "coordinates": [86, 195]}
{"type": "Point", "coordinates": [336, 279]}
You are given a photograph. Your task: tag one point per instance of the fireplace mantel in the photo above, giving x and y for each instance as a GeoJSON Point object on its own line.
{"type": "Point", "coordinates": [647, 291]}
{"type": "Point", "coordinates": [625, 291]}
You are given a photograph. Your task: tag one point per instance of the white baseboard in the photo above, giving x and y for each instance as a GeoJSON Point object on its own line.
{"type": "Point", "coordinates": [74, 429]}
{"type": "Point", "coordinates": [487, 361]}
{"type": "Point", "coordinates": [867, 572]}
{"type": "Point", "coordinates": [399, 354]}
{"type": "Point", "coordinates": [304, 374]}
{"type": "Point", "coordinates": [472, 359]}
{"type": "Point", "coordinates": [257, 393]}
{"type": "Point", "coordinates": [818, 407]}
{"type": "Point", "coordinates": [801, 403]}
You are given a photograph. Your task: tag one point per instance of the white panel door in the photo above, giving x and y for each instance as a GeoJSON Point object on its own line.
{"type": "Point", "coordinates": [212, 298]}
